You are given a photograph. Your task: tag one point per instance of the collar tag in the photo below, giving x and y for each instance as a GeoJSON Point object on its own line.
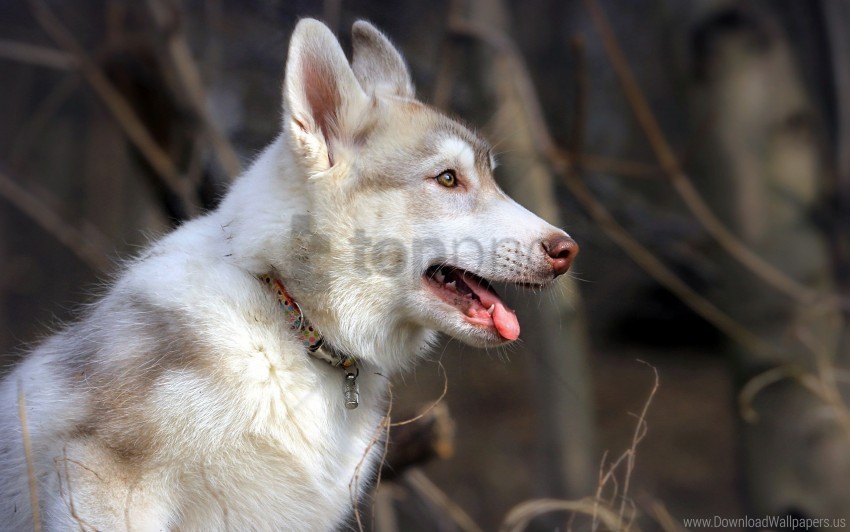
{"type": "Point", "coordinates": [350, 390]}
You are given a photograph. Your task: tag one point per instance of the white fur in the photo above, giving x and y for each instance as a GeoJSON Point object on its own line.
{"type": "Point", "coordinates": [182, 400]}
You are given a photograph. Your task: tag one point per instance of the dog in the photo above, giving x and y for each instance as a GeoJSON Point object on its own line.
{"type": "Point", "coordinates": [234, 375]}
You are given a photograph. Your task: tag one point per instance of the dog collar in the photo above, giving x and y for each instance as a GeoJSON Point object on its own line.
{"type": "Point", "coordinates": [313, 341]}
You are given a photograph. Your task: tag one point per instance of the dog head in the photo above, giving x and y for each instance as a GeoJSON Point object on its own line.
{"type": "Point", "coordinates": [406, 228]}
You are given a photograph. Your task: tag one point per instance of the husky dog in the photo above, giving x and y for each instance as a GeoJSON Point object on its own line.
{"type": "Point", "coordinates": [235, 373]}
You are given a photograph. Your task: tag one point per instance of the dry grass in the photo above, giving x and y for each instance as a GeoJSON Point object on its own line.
{"type": "Point", "coordinates": [25, 434]}
{"type": "Point", "coordinates": [611, 507]}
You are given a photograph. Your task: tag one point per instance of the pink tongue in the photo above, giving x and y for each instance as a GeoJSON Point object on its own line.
{"type": "Point", "coordinates": [504, 319]}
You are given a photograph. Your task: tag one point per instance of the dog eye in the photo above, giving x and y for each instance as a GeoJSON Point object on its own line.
{"type": "Point", "coordinates": [447, 179]}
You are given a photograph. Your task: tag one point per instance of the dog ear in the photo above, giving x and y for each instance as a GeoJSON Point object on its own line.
{"type": "Point", "coordinates": [377, 64]}
{"type": "Point", "coordinates": [322, 97]}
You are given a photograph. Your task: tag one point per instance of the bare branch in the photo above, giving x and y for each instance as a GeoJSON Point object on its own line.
{"type": "Point", "coordinates": [431, 406]}
{"type": "Point", "coordinates": [25, 434]}
{"type": "Point", "coordinates": [577, 46]}
{"type": "Point", "coordinates": [30, 132]}
{"type": "Point", "coordinates": [36, 55]}
{"type": "Point", "coordinates": [381, 430]}
{"type": "Point", "coordinates": [421, 484]}
{"type": "Point", "coordinates": [598, 163]}
{"type": "Point", "coordinates": [680, 181]}
{"type": "Point", "coordinates": [118, 106]}
{"type": "Point", "coordinates": [525, 91]}
{"type": "Point", "coordinates": [520, 515]}
{"type": "Point", "coordinates": [823, 385]}
{"type": "Point", "coordinates": [189, 77]}
{"type": "Point", "coordinates": [657, 269]}
{"type": "Point", "coordinates": [82, 244]}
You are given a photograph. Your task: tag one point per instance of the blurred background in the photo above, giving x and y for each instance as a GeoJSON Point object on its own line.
{"type": "Point", "coordinates": [696, 363]}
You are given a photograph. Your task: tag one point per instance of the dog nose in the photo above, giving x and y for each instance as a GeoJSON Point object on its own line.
{"type": "Point", "coordinates": [560, 250]}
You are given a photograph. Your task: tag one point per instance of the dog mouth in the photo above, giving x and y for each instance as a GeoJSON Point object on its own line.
{"type": "Point", "coordinates": [474, 298]}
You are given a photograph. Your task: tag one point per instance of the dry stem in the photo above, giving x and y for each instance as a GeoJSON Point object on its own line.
{"type": "Point", "coordinates": [421, 484]}
{"type": "Point", "coordinates": [619, 517]}
{"type": "Point", "coordinates": [189, 78]}
{"type": "Point", "coordinates": [521, 515]}
{"type": "Point", "coordinates": [637, 436]}
{"type": "Point", "coordinates": [823, 384]}
{"type": "Point", "coordinates": [36, 55]}
{"type": "Point", "coordinates": [383, 427]}
{"type": "Point", "coordinates": [683, 186]}
{"type": "Point", "coordinates": [118, 106]}
{"type": "Point", "coordinates": [81, 244]}
{"type": "Point", "coordinates": [29, 134]}
{"type": "Point", "coordinates": [432, 405]}
{"type": "Point", "coordinates": [25, 434]}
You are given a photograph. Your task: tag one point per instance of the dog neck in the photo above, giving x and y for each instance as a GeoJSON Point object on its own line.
{"type": "Point", "coordinates": [314, 342]}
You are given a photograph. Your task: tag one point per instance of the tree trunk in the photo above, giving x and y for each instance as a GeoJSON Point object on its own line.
{"type": "Point", "coordinates": [554, 331]}
{"type": "Point", "coordinates": [763, 169]}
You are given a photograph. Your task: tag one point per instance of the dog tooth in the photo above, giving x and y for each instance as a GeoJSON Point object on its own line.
{"type": "Point", "coordinates": [491, 309]}
{"type": "Point", "coordinates": [439, 276]}
{"type": "Point", "coordinates": [451, 285]}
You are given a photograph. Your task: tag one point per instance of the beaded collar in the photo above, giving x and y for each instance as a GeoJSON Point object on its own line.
{"type": "Point", "coordinates": [314, 342]}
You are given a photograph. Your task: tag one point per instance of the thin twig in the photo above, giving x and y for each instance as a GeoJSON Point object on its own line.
{"type": "Point", "coordinates": [521, 515]}
{"type": "Point", "coordinates": [383, 427]}
{"type": "Point", "coordinates": [444, 82]}
{"type": "Point", "coordinates": [29, 134]}
{"type": "Point", "coordinates": [384, 452]}
{"type": "Point", "coordinates": [598, 163]}
{"type": "Point", "coordinates": [36, 55]}
{"type": "Point", "coordinates": [433, 404]}
{"type": "Point", "coordinates": [421, 484]}
{"type": "Point", "coordinates": [637, 436]}
{"type": "Point", "coordinates": [577, 47]}
{"type": "Point", "coordinates": [626, 510]}
{"type": "Point", "coordinates": [118, 106]}
{"type": "Point", "coordinates": [189, 78]}
{"type": "Point", "coordinates": [83, 245]}
{"type": "Point", "coordinates": [600, 486]}
{"type": "Point", "coordinates": [657, 269]}
{"type": "Point", "coordinates": [680, 181]}
{"type": "Point", "coordinates": [521, 77]}
{"type": "Point", "coordinates": [824, 384]}
{"type": "Point", "coordinates": [821, 387]}
{"type": "Point", "coordinates": [25, 435]}
{"type": "Point", "coordinates": [609, 476]}
{"type": "Point", "coordinates": [758, 383]}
